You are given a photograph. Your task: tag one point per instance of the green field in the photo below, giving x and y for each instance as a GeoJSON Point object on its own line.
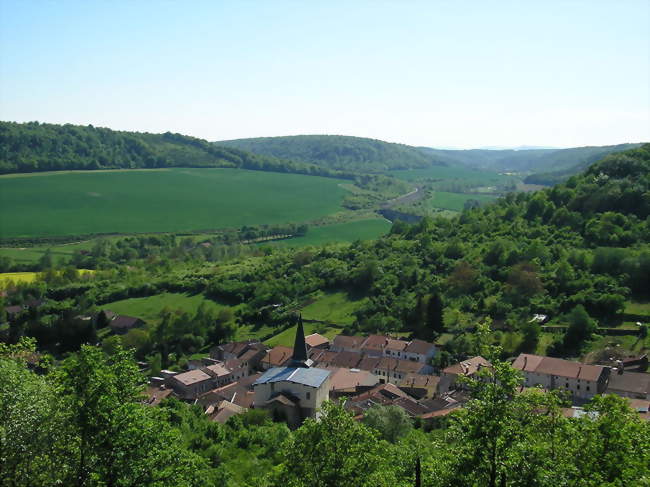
{"type": "Point", "coordinates": [288, 336]}
{"type": "Point", "coordinates": [149, 308]}
{"type": "Point", "coordinates": [30, 255]}
{"type": "Point", "coordinates": [25, 277]}
{"type": "Point", "coordinates": [179, 199]}
{"type": "Point", "coordinates": [333, 308]}
{"type": "Point", "coordinates": [473, 177]}
{"type": "Point", "coordinates": [339, 232]}
{"type": "Point", "coordinates": [455, 201]}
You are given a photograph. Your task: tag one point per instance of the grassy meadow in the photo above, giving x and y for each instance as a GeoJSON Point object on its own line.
{"type": "Point", "coordinates": [455, 201]}
{"type": "Point", "coordinates": [149, 308]}
{"type": "Point", "coordinates": [338, 232]}
{"type": "Point", "coordinates": [470, 176]}
{"type": "Point", "coordinates": [173, 200]}
{"type": "Point", "coordinates": [333, 308]}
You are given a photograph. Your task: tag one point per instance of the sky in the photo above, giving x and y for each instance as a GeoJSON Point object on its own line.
{"type": "Point", "coordinates": [431, 73]}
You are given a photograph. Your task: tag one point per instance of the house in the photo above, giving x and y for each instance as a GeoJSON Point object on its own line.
{"type": "Point", "coordinates": [190, 384]}
{"type": "Point", "coordinates": [345, 381]}
{"type": "Point", "coordinates": [223, 411]}
{"type": "Point", "coordinates": [420, 386]}
{"type": "Point", "coordinates": [13, 312]}
{"type": "Point", "coordinates": [276, 357]}
{"type": "Point", "coordinates": [420, 351]}
{"type": "Point", "coordinates": [374, 345]}
{"type": "Point", "coordinates": [635, 385]}
{"type": "Point", "coordinates": [348, 360]}
{"type": "Point", "coordinates": [296, 391]}
{"type": "Point", "coordinates": [395, 370]}
{"type": "Point", "coordinates": [316, 341]}
{"type": "Point", "coordinates": [322, 357]}
{"type": "Point", "coordinates": [384, 395]}
{"type": "Point", "coordinates": [581, 380]}
{"type": "Point", "coordinates": [122, 324]}
{"type": "Point", "coordinates": [395, 348]}
{"type": "Point", "coordinates": [239, 393]}
{"type": "Point", "coordinates": [220, 373]}
{"type": "Point", "coordinates": [250, 353]}
{"type": "Point", "coordinates": [466, 368]}
{"type": "Point", "coordinates": [345, 343]}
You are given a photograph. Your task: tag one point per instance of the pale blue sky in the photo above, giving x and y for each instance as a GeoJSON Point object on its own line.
{"type": "Point", "coordinates": [435, 73]}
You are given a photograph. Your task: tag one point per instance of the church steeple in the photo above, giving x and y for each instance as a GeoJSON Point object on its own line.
{"type": "Point", "coordinates": [299, 358]}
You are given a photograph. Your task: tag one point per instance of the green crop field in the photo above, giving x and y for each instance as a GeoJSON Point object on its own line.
{"type": "Point", "coordinates": [338, 232]}
{"type": "Point", "coordinates": [179, 199]}
{"type": "Point", "coordinates": [455, 201]}
{"type": "Point", "coordinates": [473, 177]}
{"type": "Point", "coordinates": [30, 255]}
{"type": "Point", "coordinates": [149, 308]}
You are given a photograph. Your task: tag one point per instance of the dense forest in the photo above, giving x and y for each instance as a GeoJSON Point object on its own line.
{"type": "Point", "coordinates": [32, 147]}
{"type": "Point", "coordinates": [337, 152]}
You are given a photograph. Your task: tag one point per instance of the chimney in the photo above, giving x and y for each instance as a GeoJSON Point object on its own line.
{"type": "Point", "coordinates": [525, 361]}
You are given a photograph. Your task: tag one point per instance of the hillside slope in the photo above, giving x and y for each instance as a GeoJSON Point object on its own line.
{"type": "Point", "coordinates": [35, 147]}
{"type": "Point", "coordinates": [337, 152]}
{"type": "Point", "coordinates": [565, 161]}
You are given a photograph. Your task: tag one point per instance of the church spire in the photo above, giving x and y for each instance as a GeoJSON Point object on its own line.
{"type": "Point", "coordinates": [299, 358]}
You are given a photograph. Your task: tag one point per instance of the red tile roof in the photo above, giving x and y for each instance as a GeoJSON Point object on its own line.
{"type": "Point", "coordinates": [315, 340]}
{"type": "Point", "coordinates": [278, 356]}
{"type": "Point", "coordinates": [558, 367]}
{"type": "Point", "coordinates": [345, 341]}
{"type": "Point", "coordinates": [467, 367]}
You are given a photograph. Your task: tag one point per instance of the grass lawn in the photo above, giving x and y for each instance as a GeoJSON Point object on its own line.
{"type": "Point", "coordinates": [332, 308]}
{"type": "Point", "coordinates": [178, 199]}
{"type": "Point", "coordinates": [338, 232]}
{"type": "Point", "coordinates": [455, 201]}
{"type": "Point", "coordinates": [30, 255]}
{"type": "Point", "coordinates": [149, 308]}
{"type": "Point", "coordinates": [288, 336]}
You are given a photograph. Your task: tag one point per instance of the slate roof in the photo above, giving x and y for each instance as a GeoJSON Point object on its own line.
{"type": "Point", "coordinates": [632, 382]}
{"type": "Point", "coordinates": [298, 375]}
{"type": "Point", "coordinates": [123, 321]}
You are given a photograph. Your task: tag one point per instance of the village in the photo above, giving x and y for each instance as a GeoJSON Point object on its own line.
{"type": "Point", "coordinates": [362, 372]}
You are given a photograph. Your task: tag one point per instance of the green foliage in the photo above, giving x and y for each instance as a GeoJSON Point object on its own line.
{"type": "Point", "coordinates": [333, 451]}
{"type": "Point", "coordinates": [391, 422]}
{"type": "Point", "coordinates": [33, 147]}
{"type": "Point", "coordinates": [336, 152]}
{"type": "Point", "coordinates": [84, 425]}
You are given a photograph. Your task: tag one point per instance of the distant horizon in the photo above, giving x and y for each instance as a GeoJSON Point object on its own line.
{"type": "Point", "coordinates": [518, 147]}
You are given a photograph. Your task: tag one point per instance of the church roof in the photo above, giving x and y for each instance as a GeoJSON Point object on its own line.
{"type": "Point", "coordinates": [297, 375]}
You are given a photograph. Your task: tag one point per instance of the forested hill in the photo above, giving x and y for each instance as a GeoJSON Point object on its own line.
{"type": "Point", "coordinates": [338, 152]}
{"type": "Point", "coordinates": [565, 162]}
{"type": "Point", "coordinates": [31, 147]}
{"type": "Point", "coordinates": [582, 243]}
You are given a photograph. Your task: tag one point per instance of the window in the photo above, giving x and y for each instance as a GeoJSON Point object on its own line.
{"type": "Point", "coordinates": [566, 385]}
{"type": "Point", "coordinates": [578, 386]}
{"type": "Point", "coordinates": [588, 388]}
{"type": "Point", "coordinates": [308, 395]}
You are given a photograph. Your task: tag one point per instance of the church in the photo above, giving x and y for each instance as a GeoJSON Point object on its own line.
{"type": "Point", "coordinates": [294, 392]}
